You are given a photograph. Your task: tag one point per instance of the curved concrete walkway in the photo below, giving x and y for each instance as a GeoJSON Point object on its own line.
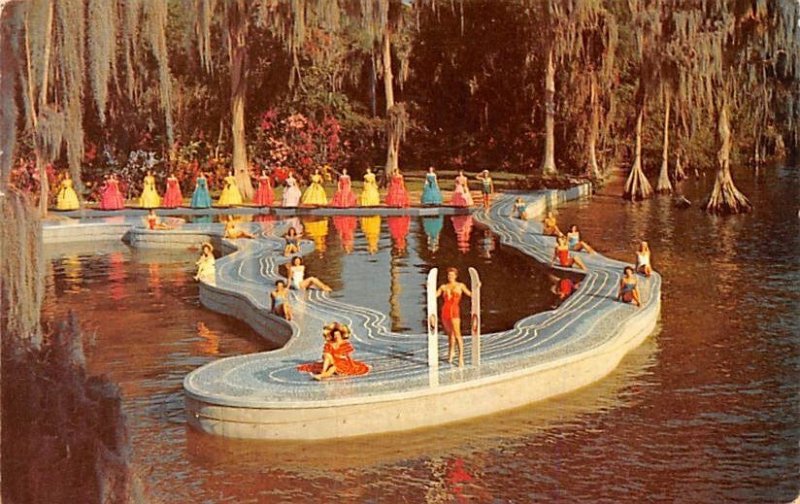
{"type": "Point", "coordinates": [263, 396]}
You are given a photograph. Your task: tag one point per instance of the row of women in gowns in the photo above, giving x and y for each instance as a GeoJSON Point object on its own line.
{"type": "Point", "coordinates": [111, 197]}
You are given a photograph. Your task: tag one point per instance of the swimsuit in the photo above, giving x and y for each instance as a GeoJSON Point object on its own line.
{"type": "Point", "coordinates": [450, 310]}
{"type": "Point", "coordinates": [573, 239]}
{"type": "Point", "coordinates": [563, 256]}
{"type": "Point", "coordinates": [298, 274]}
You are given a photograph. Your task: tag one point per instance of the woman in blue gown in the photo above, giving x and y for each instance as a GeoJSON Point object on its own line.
{"type": "Point", "coordinates": [430, 192]}
{"type": "Point", "coordinates": [201, 198]}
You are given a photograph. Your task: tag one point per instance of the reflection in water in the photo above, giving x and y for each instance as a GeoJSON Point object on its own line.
{"type": "Point", "coordinates": [209, 344]}
{"type": "Point", "coordinates": [487, 244]}
{"type": "Point", "coordinates": [398, 229]}
{"type": "Point", "coordinates": [710, 401]}
{"type": "Point", "coordinates": [346, 230]}
{"type": "Point", "coordinates": [72, 274]}
{"type": "Point", "coordinates": [317, 230]}
{"type": "Point", "coordinates": [116, 275]}
{"type": "Point", "coordinates": [433, 227]}
{"type": "Point", "coordinates": [371, 227]}
{"type": "Point", "coordinates": [463, 227]}
{"type": "Point", "coordinates": [154, 280]}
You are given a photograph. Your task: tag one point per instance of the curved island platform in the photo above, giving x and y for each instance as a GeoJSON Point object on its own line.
{"type": "Point", "coordinates": [263, 396]}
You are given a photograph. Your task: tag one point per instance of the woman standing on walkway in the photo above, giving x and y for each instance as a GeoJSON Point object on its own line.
{"type": "Point", "coordinates": [67, 198]}
{"type": "Point", "coordinates": [230, 192]}
{"type": "Point", "coordinates": [173, 197]}
{"type": "Point", "coordinates": [264, 194]}
{"type": "Point", "coordinates": [461, 196]}
{"type": "Point", "coordinates": [370, 195]}
{"type": "Point", "coordinates": [487, 187]}
{"type": "Point", "coordinates": [451, 314]}
{"type": "Point", "coordinates": [200, 197]}
{"type": "Point", "coordinates": [397, 195]}
{"type": "Point", "coordinates": [315, 193]}
{"type": "Point", "coordinates": [344, 197]}
{"type": "Point", "coordinates": [291, 193]}
{"type": "Point", "coordinates": [149, 197]}
{"type": "Point", "coordinates": [431, 195]}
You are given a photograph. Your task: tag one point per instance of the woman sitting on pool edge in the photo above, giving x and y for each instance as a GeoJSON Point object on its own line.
{"type": "Point", "coordinates": [233, 232]}
{"type": "Point", "coordinates": [280, 300]}
{"type": "Point", "coordinates": [628, 288]}
{"type": "Point", "coordinates": [565, 259]}
{"type": "Point", "coordinates": [549, 225]}
{"type": "Point", "coordinates": [643, 259]}
{"type": "Point", "coordinates": [292, 242]}
{"type": "Point", "coordinates": [575, 242]}
{"type": "Point", "coordinates": [296, 272]}
{"type": "Point", "coordinates": [336, 355]}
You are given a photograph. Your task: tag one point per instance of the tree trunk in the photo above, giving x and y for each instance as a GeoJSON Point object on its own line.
{"type": "Point", "coordinates": [637, 186]}
{"type": "Point", "coordinates": [237, 54]}
{"type": "Point", "coordinates": [664, 186]}
{"type": "Point", "coordinates": [44, 184]}
{"type": "Point", "coordinates": [593, 169]}
{"type": "Point", "coordinates": [680, 173]}
{"type": "Point", "coordinates": [725, 197]}
{"type": "Point", "coordinates": [393, 133]}
{"type": "Point", "coordinates": [549, 161]}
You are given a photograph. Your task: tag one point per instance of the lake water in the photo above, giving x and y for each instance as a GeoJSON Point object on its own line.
{"type": "Point", "coordinates": [706, 410]}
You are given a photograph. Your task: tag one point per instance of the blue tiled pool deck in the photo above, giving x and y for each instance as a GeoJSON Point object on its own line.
{"type": "Point", "coordinates": [262, 395]}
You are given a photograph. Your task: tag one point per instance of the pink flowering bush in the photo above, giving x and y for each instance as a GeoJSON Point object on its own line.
{"type": "Point", "coordinates": [297, 143]}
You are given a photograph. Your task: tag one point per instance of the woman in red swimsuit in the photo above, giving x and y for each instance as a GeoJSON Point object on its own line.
{"type": "Point", "coordinates": [565, 259]}
{"type": "Point", "coordinates": [451, 314]}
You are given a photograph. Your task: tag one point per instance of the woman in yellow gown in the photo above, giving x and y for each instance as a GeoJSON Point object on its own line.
{"type": "Point", "coordinates": [67, 198]}
{"type": "Point", "coordinates": [230, 193]}
{"type": "Point", "coordinates": [369, 195]}
{"type": "Point", "coordinates": [315, 193]}
{"type": "Point", "coordinates": [149, 197]}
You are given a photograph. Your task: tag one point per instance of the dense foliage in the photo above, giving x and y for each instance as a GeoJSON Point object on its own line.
{"type": "Point", "coordinates": [454, 84]}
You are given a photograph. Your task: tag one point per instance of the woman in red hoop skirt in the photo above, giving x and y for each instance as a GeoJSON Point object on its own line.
{"type": "Point", "coordinates": [451, 314]}
{"type": "Point", "coordinates": [173, 197]}
{"type": "Point", "coordinates": [336, 358]}
{"type": "Point", "coordinates": [397, 195]}
{"type": "Point", "coordinates": [344, 197]}
{"type": "Point", "coordinates": [264, 194]}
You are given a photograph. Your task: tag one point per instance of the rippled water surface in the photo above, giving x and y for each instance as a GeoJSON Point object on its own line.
{"type": "Point", "coordinates": [706, 410]}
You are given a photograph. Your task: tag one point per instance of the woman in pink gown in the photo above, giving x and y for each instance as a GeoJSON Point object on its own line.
{"type": "Point", "coordinates": [173, 197]}
{"type": "Point", "coordinates": [110, 195]}
{"type": "Point", "coordinates": [344, 197]}
{"type": "Point", "coordinates": [264, 194]}
{"type": "Point", "coordinates": [461, 196]}
{"type": "Point", "coordinates": [397, 195]}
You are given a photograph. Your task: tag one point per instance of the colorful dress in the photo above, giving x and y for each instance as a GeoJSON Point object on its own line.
{"type": "Point", "coordinates": [173, 197]}
{"type": "Point", "coordinates": [230, 193]}
{"type": "Point", "coordinates": [264, 195]}
{"type": "Point", "coordinates": [111, 198]}
{"type": "Point", "coordinates": [344, 196]}
{"type": "Point", "coordinates": [450, 309]}
{"type": "Point", "coordinates": [397, 195]}
{"type": "Point", "coordinates": [433, 228]}
{"type": "Point", "coordinates": [345, 364]}
{"type": "Point", "coordinates": [370, 196]}
{"type": "Point", "coordinates": [315, 193]}
{"type": "Point", "coordinates": [67, 198]}
{"type": "Point", "coordinates": [201, 198]}
{"type": "Point", "coordinates": [461, 196]}
{"type": "Point", "coordinates": [149, 197]}
{"type": "Point", "coordinates": [291, 195]}
{"type": "Point", "coordinates": [431, 195]}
